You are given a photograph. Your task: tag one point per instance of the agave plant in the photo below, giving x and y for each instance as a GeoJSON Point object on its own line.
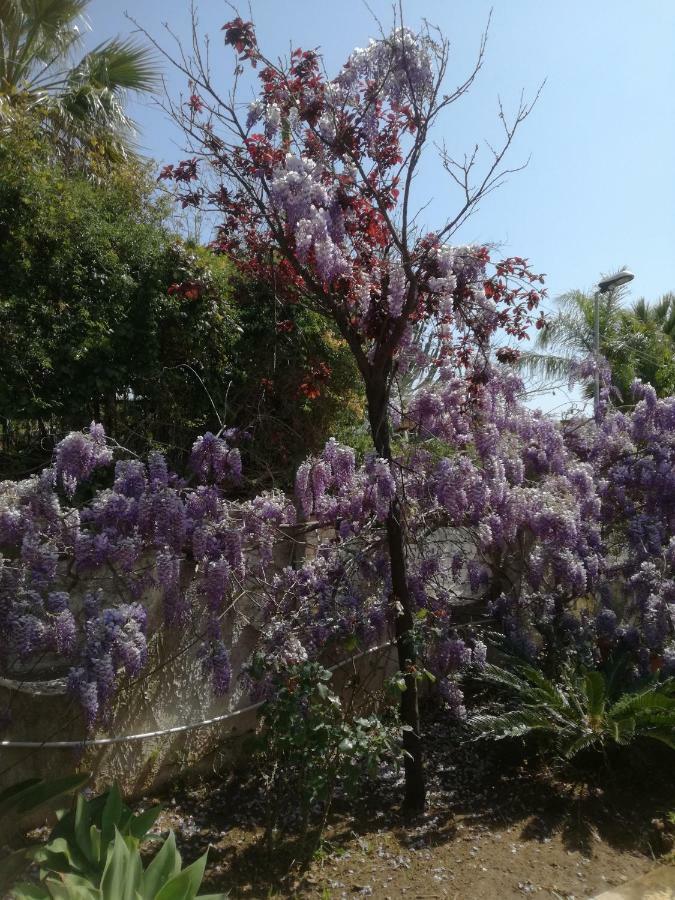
{"type": "Point", "coordinates": [580, 711]}
{"type": "Point", "coordinates": [93, 853]}
{"type": "Point", "coordinates": [26, 797]}
{"type": "Point", "coordinates": [82, 838]}
{"type": "Point", "coordinates": [124, 878]}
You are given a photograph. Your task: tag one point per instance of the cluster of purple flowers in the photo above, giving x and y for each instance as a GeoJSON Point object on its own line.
{"type": "Point", "coordinates": [570, 543]}
{"type": "Point", "coordinates": [78, 455]}
{"type": "Point", "coordinates": [310, 206]}
{"type": "Point", "coordinates": [333, 490]}
{"type": "Point", "coordinates": [400, 65]}
{"type": "Point", "coordinates": [114, 644]}
{"type": "Point", "coordinates": [212, 459]}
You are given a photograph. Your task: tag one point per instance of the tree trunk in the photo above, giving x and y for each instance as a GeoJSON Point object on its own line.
{"type": "Point", "coordinates": [415, 790]}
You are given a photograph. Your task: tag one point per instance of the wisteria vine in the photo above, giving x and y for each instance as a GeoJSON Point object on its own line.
{"type": "Point", "coordinates": [567, 542]}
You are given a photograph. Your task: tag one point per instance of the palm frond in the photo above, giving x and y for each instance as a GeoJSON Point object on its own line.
{"type": "Point", "coordinates": [118, 65]}
{"type": "Point", "coordinates": [84, 104]}
{"type": "Point", "coordinates": [583, 742]}
{"type": "Point", "coordinates": [574, 710]}
{"type": "Point", "coordinates": [514, 724]}
{"type": "Point", "coordinates": [506, 679]}
{"type": "Point", "coordinates": [623, 730]}
{"type": "Point", "coordinates": [595, 691]}
{"type": "Point", "coordinates": [35, 34]}
{"type": "Point", "coordinates": [665, 737]}
{"type": "Point", "coordinates": [547, 365]}
{"type": "Point", "coordinates": [650, 698]}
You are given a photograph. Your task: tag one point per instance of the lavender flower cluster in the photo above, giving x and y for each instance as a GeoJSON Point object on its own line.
{"type": "Point", "coordinates": [400, 65]}
{"type": "Point", "coordinates": [569, 543]}
{"type": "Point", "coordinates": [73, 577]}
{"type": "Point", "coordinates": [332, 490]}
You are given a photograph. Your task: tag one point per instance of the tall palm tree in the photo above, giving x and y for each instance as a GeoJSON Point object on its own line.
{"type": "Point", "coordinates": [637, 342]}
{"type": "Point", "coordinates": [82, 102]}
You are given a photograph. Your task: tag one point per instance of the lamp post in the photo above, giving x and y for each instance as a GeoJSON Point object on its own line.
{"type": "Point", "coordinates": [605, 285]}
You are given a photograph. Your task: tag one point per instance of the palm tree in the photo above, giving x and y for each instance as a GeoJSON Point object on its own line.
{"type": "Point", "coordinates": [661, 313]}
{"type": "Point", "coordinates": [81, 102]}
{"type": "Point", "coordinates": [637, 342]}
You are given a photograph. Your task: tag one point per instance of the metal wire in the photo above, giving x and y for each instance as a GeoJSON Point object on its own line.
{"type": "Point", "coordinates": [176, 729]}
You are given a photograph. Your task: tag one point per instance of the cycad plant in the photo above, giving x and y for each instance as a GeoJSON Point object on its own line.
{"type": "Point", "coordinates": [578, 711]}
{"type": "Point", "coordinates": [81, 101]}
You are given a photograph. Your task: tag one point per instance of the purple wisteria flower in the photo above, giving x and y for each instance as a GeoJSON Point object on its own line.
{"type": "Point", "coordinates": [79, 454]}
{"type": "Point", "coordinates": [212, 459]}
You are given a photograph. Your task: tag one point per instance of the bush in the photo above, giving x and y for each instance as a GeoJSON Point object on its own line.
{"type": "Point", "coordinates": [94, 852]}
{"type": "Point", "coordinates": [90, 325]}
{"type": "Point", "coordinates": [19, 799]}
{"type": "Point", "coordinates": [107, 314]}
{"type": "Point", "coordinates": [309, 743]}
{"type": "Point", "coordinates": [293, 384]}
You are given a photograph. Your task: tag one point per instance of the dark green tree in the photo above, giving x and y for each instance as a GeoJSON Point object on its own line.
{"type": "Point", "coordinates": [292, 383]}
{"type": "Point", "coordinates": [106, 314]}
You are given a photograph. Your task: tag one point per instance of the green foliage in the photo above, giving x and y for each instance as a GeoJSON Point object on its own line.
{"type": "Point", "coordinates": [123, 877]}
{"type": "Point", "coordinates": [90, 326]}
{"type": "Point", "coordinates": [107, 315]}
{"type": "Point", "coordinates": [576, 711]}
{"type": "Point", "coordinates": [637, 342]}
{"type": "Point", "coordinates": [82, 105]}
{"type": "Point", "coordinates": [293, 383]}
{"type": "Point", "coordinates": [94, 852]}
{"type": "Point", "coordinates": [654, 323]}
{"type": "Point", "coordinates": [26, 797]}
{"type": "Point", "coordinates": [34, 793]}
{"type": "Point", "coordinates": [80, 842]}
{"type": "Point", "coordinates": [308, 742]}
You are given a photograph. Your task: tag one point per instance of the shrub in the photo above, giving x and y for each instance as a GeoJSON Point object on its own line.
{"type": "Point", "coordinates": [94, 852]}
{"type": "Point", "coordinates": [291, 383]}
{"type": "Point", "coordinates": [19, 799]}
{"type": "Point", "coordinates": [107, 314]}
{"type": "Point", "coordinates": [309, 743]}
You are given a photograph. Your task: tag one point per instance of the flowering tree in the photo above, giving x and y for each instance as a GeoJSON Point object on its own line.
{"type": "Point", "coordinates": [313, 182]}
{"type": "Point", "coordinates": [632, 458]}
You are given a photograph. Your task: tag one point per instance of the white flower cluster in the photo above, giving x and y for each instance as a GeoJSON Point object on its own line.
{"type": "Point", "coordinates": [446, 281]}
{"type": "Point", "coordinates": [398, 285]}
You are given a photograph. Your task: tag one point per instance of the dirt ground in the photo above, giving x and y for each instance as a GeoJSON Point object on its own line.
{"type": "Point", "coordinates": [496, 827]}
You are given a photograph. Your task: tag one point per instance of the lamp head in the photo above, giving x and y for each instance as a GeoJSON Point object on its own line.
{"type": "Point", "coordinates": [616, 280]}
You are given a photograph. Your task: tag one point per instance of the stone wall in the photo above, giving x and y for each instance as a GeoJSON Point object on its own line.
{"type": "Point", "coordinates": [171, 692]}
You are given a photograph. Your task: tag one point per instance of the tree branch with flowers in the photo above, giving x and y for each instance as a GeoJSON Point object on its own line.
{"type": "Point", "coordinates": [313, 185]}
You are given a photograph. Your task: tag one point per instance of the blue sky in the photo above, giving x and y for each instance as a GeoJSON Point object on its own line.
{"type": "Point", "coordinates": [599, 190]}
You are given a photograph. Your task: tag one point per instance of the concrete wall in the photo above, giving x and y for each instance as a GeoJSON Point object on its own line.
{"type": "Point", "coordinates": [171, 691]}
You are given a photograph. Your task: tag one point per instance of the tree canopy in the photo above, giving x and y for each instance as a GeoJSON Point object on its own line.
{"type": "Point", "coordinates": [108, 314]}
{"type": "Point", "coordinates": [637, 342]}
{"type": "Point", "coordinates": [82, 102]}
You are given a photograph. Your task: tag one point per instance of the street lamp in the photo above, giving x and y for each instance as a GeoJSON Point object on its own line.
{"type": "Point", "coordinates": [605, 285]}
